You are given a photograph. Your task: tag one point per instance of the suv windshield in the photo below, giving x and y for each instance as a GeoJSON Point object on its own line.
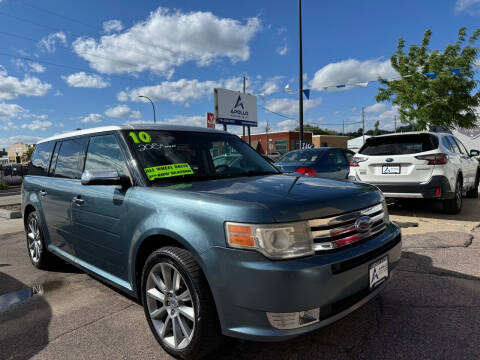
{"type": "Point", "coordinates": [173, 156]}
{"type": "Point", "coordinates": [307, 155]}
{"type": "Point", "coordinates": [399, 144]}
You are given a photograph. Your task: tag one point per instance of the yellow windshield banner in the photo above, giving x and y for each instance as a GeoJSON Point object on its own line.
{"type": "Point", "coordinates": [163, 171]}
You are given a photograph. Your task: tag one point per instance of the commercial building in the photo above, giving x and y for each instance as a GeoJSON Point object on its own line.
{"type": "Point", "coordinates": [330, 141]}
{"type": "Point", "coordinates": [279, 141]}
{"type": "Point", "coordinates": [16, 152]}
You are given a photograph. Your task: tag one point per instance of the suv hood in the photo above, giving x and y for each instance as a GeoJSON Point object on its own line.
{"type": "Point", "coordinates": [289, 198]}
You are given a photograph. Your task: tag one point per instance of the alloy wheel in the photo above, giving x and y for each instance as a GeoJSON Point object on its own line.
{"type": "Point", "coordinates": [34, 240]}
{"type": "Point", "coordinates": [170, 305]}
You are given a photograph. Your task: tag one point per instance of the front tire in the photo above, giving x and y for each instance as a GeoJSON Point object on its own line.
{"type": "Point", "coordinates": [454, 205]}
{"type": "Point", "coordinates": [178, 304]}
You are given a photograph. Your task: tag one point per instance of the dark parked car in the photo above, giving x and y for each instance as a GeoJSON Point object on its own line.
{"type": "Point", "coordinates": [238, 249]}
{"type": "Point", "coordinates": [327, 162]}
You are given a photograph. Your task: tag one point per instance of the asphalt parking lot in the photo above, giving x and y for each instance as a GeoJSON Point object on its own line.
{"type": "Point", "coordinates": [430, 309]}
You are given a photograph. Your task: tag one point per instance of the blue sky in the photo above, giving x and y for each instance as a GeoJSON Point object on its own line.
{"type": "Point", "coordinates": [89, 60]}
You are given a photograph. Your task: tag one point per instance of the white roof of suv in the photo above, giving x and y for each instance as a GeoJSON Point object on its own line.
{"type": "Point", "coordinates": [101, 129]}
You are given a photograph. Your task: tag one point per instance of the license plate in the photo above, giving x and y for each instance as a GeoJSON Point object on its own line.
{"type": "Point", "coordinates": [391, 169]}
{"type": "Point", "coordinates": [378, 272]}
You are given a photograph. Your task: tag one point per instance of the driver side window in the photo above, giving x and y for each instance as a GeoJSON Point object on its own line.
{"type": "Point", "coordinates": [104, 154]}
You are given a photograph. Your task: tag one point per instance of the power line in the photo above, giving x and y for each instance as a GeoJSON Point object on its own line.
{"type": "Point", "coordinates": [67, 66]}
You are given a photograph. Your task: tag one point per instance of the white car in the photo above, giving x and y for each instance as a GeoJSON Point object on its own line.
{"type": "Point", "coordinates": [419, 165]}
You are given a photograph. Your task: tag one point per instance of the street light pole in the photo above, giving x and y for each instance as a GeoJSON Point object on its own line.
{"type": "Point", "coordinates": [300, 80]}
{"type": "Point", "coordinates": [153, 106]}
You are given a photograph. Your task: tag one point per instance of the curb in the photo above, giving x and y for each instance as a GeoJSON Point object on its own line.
{"type": "Point", "coordinates": [10, 214]}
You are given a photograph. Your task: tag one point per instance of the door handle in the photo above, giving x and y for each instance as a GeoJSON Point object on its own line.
{"type": "Point", "coordinates": [78, 200]}
{"type": "Point", "coordinates": [42, 193]}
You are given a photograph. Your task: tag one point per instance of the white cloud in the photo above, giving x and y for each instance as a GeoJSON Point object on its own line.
{"type": "Point", "coordinates": [49, 42]}
{"type": "Point", "coordinates": [84, 80]}
{"type": "Point", "coordinates": [12, 87]}
{"type": "Point", "coordinates": [167, 39]}
{"type": "Point", "coordinates": [176, 120]}
{"type": "Point", "coordinates": [5, 143]}
{"type": "Point", "coordinates": [180, 91]}
{"type": "Point", "coordinates": [92, 118]}
{"type": "Point", "coordinates": [286, 125]}
{"type": "Point", "coordinates": [282, 50]}
{"type": "Point", "coordinates": [122, 111]}
{"type": "Point", "coordinates": [290, 106]}
{"type": "Point", "coordinates": [271, 85]}
{"type": "Point", "coordinates": [351, 71]}
{"type": "Point", "coordinates": [470, 6]}
{"type": "Point", "coordinates": [29, 65]}
{"type": "Point", "coordinates": [58, 93]}
{"type": "Point", "coordinates": [376, 108]}
{"type": "Point", "coordinates": [10, 111]}
{"type": "Point", "coordinates": [187, 120]}
{"type": "Point", "coordinates": [37, 125]}
{"type": "Point", "coordinates": [112, 26]}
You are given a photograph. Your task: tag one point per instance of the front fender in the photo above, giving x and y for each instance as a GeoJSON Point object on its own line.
{"type": "Point", "coordinates": [189, 234]}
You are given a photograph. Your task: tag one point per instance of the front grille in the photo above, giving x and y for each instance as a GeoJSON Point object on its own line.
{"type": "Point", "coordinates": [339, 231]}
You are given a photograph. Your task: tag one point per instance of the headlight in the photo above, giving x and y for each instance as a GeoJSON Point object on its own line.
{"type": "Point", "coordinates": [275, 241]}
{"type": "Point", "coordinates": [385, 211]}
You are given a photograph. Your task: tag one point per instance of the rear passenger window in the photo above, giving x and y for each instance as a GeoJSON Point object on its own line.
{"type": "Point", "coordinates": [457, 147]}
{"type": "Point", "coordinates": [335, 157]}
{"type": "Point", "coordinates": [104, 154]}
{"type": "Point", "coordinates": [447, 144]}
{"type": "Point", "coordinates": [70, 159]}
{"type": "Point", "coordinates": [41, 159]}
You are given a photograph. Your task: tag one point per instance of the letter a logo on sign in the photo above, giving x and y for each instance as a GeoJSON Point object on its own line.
{"type": "Point", "coordinates": [239, 102]}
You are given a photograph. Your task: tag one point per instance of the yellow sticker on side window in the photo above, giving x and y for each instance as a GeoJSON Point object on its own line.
{"type": "Point", "coordinates": [163, 171]}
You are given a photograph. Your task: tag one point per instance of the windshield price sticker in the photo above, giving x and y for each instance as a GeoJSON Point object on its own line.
{"type": "Point", "coordinates": [163, 171]}
{"type": "Point", "coordinates": [154, 146]}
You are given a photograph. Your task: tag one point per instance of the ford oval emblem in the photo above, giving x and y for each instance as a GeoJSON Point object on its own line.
{"type": "Point", "coordinates": [388, 159]}
{"type": "Point", "coordinates": [363, 224]}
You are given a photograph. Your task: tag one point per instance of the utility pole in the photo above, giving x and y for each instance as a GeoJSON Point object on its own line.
{"type": "Point", "coordinates": [244, 93]}
{"type": "Point", "coordinates": [363, 124]}
{"type": "Point", "coordinates": [300, 80]}
{"type": "Point", "coordinates": [268, 144]}
{"type": "Point", "coordinates": [395, 117]}
{"type": "Point", "coordinates": [343, 127]}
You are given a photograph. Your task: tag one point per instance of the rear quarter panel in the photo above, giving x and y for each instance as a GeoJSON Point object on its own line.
{"type": "Point", "coordinates": [30, 187]}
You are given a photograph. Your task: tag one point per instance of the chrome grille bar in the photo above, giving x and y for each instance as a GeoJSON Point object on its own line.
{"type": "Point", "coordinates": [337, 231]}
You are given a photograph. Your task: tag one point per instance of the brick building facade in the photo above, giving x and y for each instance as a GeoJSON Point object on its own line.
{"type": "Point", "coordinates": [280, 141]}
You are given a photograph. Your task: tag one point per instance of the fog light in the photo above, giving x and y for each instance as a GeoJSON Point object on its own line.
{"type": "Point", "coordinates": [293, 320]}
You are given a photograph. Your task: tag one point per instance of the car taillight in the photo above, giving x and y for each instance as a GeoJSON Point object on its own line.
{"type": "Point", "coordinates": [354, 160]}
{"type": "Point", "coordinates": [306, 171]}
{"type": "Point", "coordinates": [434, 159]}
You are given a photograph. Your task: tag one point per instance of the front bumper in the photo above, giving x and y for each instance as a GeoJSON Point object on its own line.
{"type": "Point", "coordinates": [420, 190]}
{"type": "Point", "coordinates": [246, 285]}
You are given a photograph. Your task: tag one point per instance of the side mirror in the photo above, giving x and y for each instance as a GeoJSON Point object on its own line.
{"type": "Point", "coordinates": [104, 177]}
{"type": "Point", "coordinates": [474, 153]}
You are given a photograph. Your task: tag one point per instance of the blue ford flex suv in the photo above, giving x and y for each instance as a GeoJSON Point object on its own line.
{"type": "Point", "coordinates": [211, 250]}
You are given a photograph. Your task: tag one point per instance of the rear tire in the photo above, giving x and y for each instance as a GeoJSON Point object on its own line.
{"type": "Point", "coordinates": [40, 257]}
{"type": "Point", "coordinates": [454, 205]}
{"type": "Point", "coordinates": [178, 304]}
{"type": "Point", "coordinates": [473, 192]}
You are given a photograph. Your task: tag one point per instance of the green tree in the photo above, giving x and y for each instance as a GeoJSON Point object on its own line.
{"type": "Point", "coordinates": [27, 155]}
{"type": "Point", "coordinates": [445, 100]}
{"type": "Point", "coordinates": [377, 124]}
{"type": "Point", "coordinates": [317, 130]}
